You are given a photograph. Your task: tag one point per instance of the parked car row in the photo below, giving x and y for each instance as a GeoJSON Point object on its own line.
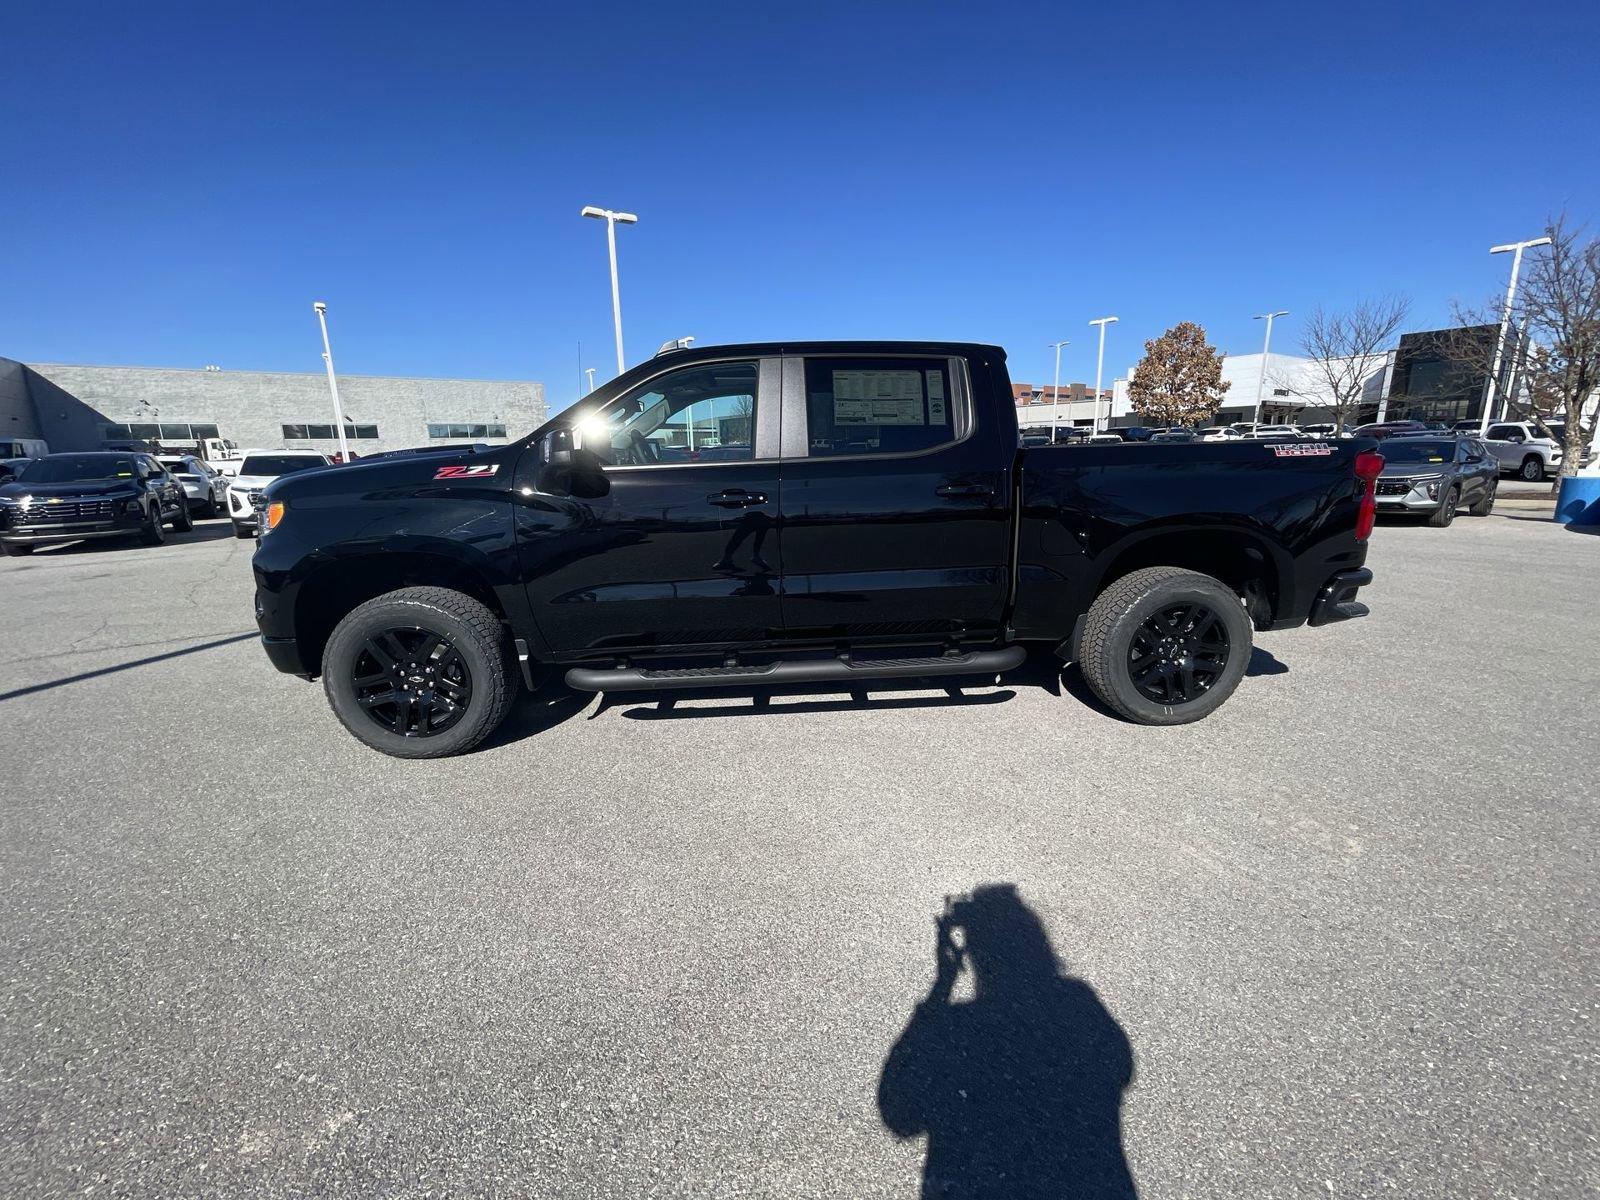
{"type": "Point", "coordinates": [104, 494]}
{"type": "Point", "coordinates": [1528, 450]}
{"type": "Point", "coordinates": [132, 494]}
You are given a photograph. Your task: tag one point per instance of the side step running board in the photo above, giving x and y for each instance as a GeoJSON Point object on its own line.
{"type": "Point", "coordinates": [822, 670]}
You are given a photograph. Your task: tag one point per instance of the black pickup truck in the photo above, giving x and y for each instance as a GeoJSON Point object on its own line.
{"type": "Point", "coordinates": [814, 512]}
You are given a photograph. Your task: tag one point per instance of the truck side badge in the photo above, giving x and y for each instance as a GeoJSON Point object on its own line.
{"type": "Point", "coordinates": [1312, 450]}
{"type": "Point", "coordinates": [482, 471]}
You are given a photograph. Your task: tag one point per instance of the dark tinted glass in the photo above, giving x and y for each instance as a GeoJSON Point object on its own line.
{"type": "Point", "coordinates": [1417, 450]}
{"type": "Point", "coordinates": [279, 464]}
{"type": "Point", "coordinates": [878, 405]}
{"type": "Point", "coordinates": [70, 467]}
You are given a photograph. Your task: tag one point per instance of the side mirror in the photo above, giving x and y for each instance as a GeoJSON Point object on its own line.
{"type": "Point", "coordinates": [557, 448]}
{"type": "Point", "coordinates": [569, 470]}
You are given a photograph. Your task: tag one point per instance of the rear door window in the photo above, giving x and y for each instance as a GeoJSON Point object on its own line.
{"type": "Point", "coordinates": [885, 405]}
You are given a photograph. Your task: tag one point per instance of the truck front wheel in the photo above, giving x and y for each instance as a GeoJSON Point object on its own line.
{"type": "Point", "coordinates": [422, 672]}
{"type": "Point", "coordinates": [1165, 646]}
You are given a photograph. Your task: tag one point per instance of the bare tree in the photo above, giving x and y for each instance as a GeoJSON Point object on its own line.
{"type": "Point", "coordinates": [1346, 347]}
{"type": "Point", "coordinates": [1556, 321]}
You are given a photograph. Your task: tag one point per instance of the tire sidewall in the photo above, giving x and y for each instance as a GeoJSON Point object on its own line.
{"type": "Point", "coordinates": [1240, 641]}
{"type": "Point", "coordinates": [1537, 466]}
{"type": "Point", "coordinates": [378, 615]}
{"type": "Point", "coordinates": [154, 532]}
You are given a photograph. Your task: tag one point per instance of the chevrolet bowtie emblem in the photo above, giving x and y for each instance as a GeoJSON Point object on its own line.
{"type": "Point", "coordinates": [54, 500]}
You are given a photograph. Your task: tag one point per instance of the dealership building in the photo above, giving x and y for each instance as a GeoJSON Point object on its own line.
{"type": "Point", "coordinates": [82, 408]}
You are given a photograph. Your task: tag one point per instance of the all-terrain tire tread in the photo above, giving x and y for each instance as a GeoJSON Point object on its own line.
{"type": "Point", "coordinates": [1107, 607]}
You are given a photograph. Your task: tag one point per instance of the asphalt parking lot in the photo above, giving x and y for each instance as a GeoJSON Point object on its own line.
{"type": "Point", "coordinates": [1345, 926]}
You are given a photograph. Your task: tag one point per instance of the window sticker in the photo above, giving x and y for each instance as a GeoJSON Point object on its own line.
{"type": "Point", "coordinates": [877, 398]}
{"type": "Point", "coordinates": [935, 398]}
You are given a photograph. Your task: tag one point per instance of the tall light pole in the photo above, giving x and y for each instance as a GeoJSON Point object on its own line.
{"type": "Point", "coordinates": [1099, 370]}
{"type": "Point", "coordinates": [611, 219]}
{"type": "Point", "coordinates": [1266, 349]}
{"type": "Point", "coordinates": [1055, 413]}
{"type": "Point", "coordinates": [333, 382]}
{"type": "Point", "coordinates": [589, 371]}
{"type": "Point", "coordinates": [1505, 323]}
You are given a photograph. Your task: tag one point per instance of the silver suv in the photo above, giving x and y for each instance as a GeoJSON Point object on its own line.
{"type": "Point", "coordinates": [1524, 449]}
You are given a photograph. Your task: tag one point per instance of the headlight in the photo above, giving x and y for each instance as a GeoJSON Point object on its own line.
{"type": "Point", "coordinates": [272, 515]}
{"type": "Point", "coordinates": [132, 506]}
{"type": "Point", "coordinates": [1433, 489]}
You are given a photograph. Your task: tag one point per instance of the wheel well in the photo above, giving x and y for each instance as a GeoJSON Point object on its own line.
{"type": "Point", "coordinates": [1231, 557]}
{"type": "Point", "coordinates": [332, 592]}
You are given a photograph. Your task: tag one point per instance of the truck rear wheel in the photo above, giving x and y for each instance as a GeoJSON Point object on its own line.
{"type": "Point", "coordinates": [1165, 646]}
{"type": "Point", "coordinates": [422, 672]}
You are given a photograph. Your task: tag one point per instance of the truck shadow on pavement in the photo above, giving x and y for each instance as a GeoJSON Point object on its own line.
{"type": "Point", "coordinates": [1018, 1091]}
{"type": "Point", "coordinates": [554, 703]}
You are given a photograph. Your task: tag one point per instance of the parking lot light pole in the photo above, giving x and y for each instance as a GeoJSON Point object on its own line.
{"type": "Point", "coordinates": [611, 219]}
{"type": "Point", "coordinates": [1099, 370]}
{"type": "Point", "coordinates": [1055, 413]}
{"type": "Point", "coordinates": [333, 382]}
{"type": "Point", "coordinates": [1505, 325]}
{"type": "Point", "coordinates": [1266, 350]}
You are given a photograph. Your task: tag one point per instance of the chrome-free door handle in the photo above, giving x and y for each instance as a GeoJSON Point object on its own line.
{"type": "Point", "coordinates": [736, 498]}
{"type": "Point", "coordinates": [964, 489]}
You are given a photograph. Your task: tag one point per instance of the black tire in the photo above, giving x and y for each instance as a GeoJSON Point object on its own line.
{"type": "Point", "coordinates": [1442, 516]}
{"type": "Point", "coordinates": [152, 532]}
{"type": "Point", "coordinates": [243, 532]}
{"type": "Point", "coordinates": [1484, 506]}
{"type": "Point", "coordinates": [467, 630]}
{"type": "Point", "coordinates": [1532, 469]}
{"type": "Point", "coordinates": [18, 549]}
{"type": "Point", "coordinates": [1119, 623]}
{"type": "Point", "coordinates": [184, 521]}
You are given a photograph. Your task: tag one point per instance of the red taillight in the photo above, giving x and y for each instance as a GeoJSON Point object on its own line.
{"type": "Point", "coordinates": [1369, 464]}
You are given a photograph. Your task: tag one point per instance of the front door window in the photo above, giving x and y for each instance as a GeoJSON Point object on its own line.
{"type": "Point", "coordinates": [703, 414]}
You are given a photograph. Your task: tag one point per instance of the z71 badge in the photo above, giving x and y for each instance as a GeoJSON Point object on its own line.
{"type": "Point", "coordinates": [1311, 450]}
{"type": "Point", "coordinates": [482, 471]}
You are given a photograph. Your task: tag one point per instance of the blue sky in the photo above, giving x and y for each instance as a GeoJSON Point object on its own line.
{"type": "Point", "coordinates": [182, 182]}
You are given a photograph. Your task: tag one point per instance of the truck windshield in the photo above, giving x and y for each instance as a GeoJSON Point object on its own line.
{"type": "Point", "coordinates": [1417, 450]}
{"type": "Point", "coordinates": [71, 467]}
{"type": "Point", "coordinates": [280, 464]}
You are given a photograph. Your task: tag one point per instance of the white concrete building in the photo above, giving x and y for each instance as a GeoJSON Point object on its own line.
{"type": "Point", "coordinates": [1292, 389]}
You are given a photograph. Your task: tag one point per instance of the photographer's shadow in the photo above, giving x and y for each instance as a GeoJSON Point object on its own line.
{"type": "Point", "coordinates": [1019, 1090]}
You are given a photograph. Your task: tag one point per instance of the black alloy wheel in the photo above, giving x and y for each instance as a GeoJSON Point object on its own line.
{"type": "Point", "coordinates": [1178, 653]}
{"type": "Point", "coordinates": [411, 682]}
{"type": "Point", "coordinates": [1164, 645]}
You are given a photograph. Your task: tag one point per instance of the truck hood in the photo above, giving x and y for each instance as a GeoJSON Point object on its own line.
{"type": "Point", "coordinates": [98, 489]}
{"type": "Point", "coordinates": [1396, 470]}
{"type": "Point", "coordinates": [244, 482]}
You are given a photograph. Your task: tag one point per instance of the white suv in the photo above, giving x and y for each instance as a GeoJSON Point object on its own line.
{"type": "Point", "coordinates": [259, 468]}
{"type": "Point", "coordinates": [1524, 449]}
